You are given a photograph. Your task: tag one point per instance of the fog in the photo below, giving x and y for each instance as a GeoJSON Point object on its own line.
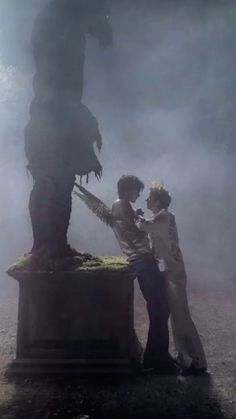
{"type": "Point", "coordinates": [164, 97]}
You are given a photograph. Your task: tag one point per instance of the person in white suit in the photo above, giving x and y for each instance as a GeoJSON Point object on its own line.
{"type": "Point", "coordinates": [163, 233]}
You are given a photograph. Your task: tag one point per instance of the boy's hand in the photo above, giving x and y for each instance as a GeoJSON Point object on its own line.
{"type": "Point", "coordinates": [139, 212]}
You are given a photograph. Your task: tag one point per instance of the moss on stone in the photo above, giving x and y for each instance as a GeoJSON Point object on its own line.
{"type": "Point", "coordinates": [80, 262]}
{"type": "Point", "coordinates": [106, 263]}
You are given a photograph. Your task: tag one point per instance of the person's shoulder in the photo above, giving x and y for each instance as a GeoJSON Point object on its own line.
{"type": "Point", "coordinates": [122, 207]}
{"type": "Point", "coordinates": [115, 203]}
{"type": "Point", "coordinates": [161, 216]}
{"type": "Point", "coordinates": [121, 203]}
{"type": "Point", "coordinates": [171, 216]}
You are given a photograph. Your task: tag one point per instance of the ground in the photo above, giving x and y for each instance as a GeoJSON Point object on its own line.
{"type": "Point", "coordinates": [212, 302]}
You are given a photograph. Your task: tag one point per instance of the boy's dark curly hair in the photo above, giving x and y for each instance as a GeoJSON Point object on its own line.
{"type": "Point", "coordinates": [129, 183]}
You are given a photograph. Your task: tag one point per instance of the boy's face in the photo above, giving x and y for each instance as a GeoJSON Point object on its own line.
{"type": "Point", "coordinates": [132, 195]}
{"type": "Point", "coordinates": [153, 204]}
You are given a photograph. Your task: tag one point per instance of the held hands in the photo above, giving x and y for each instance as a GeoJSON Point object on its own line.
{"type": "Point", "coordinates": [139, 212]}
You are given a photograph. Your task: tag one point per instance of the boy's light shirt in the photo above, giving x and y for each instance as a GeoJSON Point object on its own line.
{"type": "Point", "coordinates": [132, 241]}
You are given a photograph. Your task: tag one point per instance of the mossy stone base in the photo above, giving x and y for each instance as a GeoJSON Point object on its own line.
{"type": "Point", "coordinates": [76, 322]}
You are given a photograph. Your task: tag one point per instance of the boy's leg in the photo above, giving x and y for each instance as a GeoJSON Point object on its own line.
{"type": "Point", "coordinates": [152, 285]}
{"type": "Point", "coordinates": [186, 337]}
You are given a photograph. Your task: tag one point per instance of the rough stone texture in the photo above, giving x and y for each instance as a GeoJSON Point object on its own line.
{"type": "Point", "coordinates": [76, 322]}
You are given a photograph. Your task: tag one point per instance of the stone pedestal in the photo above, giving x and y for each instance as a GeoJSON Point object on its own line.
{"type": "Point", "coordinates": [76, 322]}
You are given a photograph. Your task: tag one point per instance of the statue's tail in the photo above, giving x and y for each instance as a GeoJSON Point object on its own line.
{"type": "Point", "coordinates": [95, 205]}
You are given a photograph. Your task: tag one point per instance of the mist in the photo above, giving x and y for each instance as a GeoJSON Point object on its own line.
{"type": "Point", "coordinates": [164, 97]}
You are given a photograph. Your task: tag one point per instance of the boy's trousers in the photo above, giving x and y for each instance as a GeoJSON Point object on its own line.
{"type": "Point", "coordinates": [152, 285]}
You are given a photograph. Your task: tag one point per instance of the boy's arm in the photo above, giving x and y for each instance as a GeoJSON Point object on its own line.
{"type": "Point", "coordinates": [144, 225]}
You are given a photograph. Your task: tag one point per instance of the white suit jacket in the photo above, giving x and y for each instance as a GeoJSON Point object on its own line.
{"type": "Point", "coordinates": [163, 233]}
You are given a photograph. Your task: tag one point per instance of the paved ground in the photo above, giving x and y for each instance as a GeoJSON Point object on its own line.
{"type": "Point", "coordinates": [213, 305]}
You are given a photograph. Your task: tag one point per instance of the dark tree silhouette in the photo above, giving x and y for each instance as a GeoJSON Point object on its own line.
{"type": "Point", "coordinates": [61, 133]}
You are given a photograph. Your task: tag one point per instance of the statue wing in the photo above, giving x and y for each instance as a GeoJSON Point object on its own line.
{"type": "Point", "coordinates": [98, 207]}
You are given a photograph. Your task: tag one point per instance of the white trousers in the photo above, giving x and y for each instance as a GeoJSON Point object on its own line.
{"type": "Point", "coordinates": [186, 338]}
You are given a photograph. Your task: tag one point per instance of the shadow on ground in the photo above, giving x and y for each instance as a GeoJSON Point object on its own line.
{"type": "Point", "coordinates": [117, 397]}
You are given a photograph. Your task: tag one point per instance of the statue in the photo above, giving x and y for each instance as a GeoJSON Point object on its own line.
{"type": "Point", "coordinates": [61, 289]}
{"type": "Point", "coordinates": [62, 131]}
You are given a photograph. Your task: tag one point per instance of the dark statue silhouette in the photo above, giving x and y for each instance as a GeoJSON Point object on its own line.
{"type": "Point", "coordinates": [61, 133]}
